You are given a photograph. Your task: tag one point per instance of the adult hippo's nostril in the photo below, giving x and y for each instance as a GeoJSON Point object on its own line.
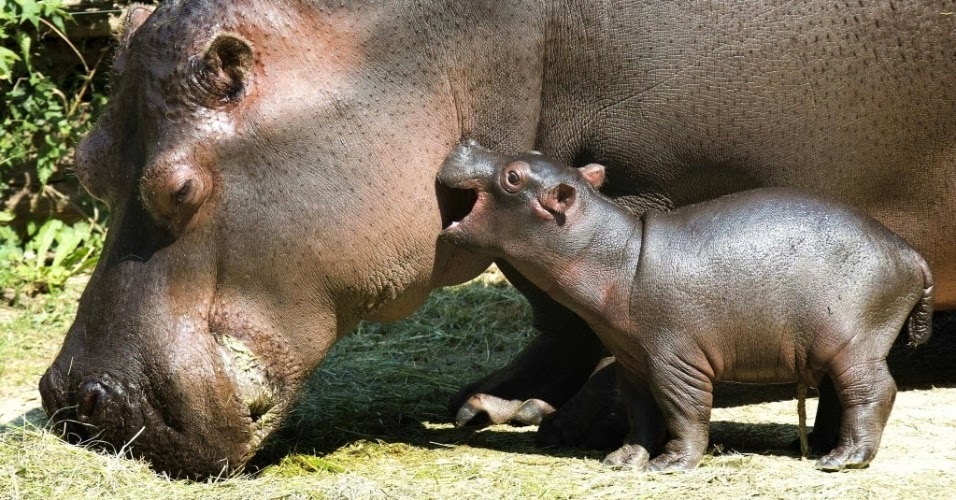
{"type": "Point", "coordinates": [91, 399]}
{"type": "Point", "coordinates": [101, 404]}
{"type": "Point", "coordinates": [86, 410]}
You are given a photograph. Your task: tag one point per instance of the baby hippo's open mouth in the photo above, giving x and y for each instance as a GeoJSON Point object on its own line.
{"type": "Point", "coordinates": [454, 204]}
{"type": "Point", "coordinates": [461, 181]}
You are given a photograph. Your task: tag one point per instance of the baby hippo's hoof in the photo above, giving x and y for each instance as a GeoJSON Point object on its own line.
{"type": "Point", "coordinates": [629, 455]}
{"type": "Point", "coordinates": [669, 462]}
{"type": "Point", "coordinates": [855, 457]}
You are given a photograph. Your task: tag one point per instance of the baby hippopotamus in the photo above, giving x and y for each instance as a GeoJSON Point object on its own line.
{"type": "Point", "coordinates": [764, 286]}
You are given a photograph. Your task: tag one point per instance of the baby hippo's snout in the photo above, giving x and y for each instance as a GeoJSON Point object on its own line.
{"type": "Point", "coordinates": [467, 164]}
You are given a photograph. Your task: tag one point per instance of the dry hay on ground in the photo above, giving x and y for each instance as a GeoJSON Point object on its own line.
{"type": "Point", "coordinates": [374, 426]}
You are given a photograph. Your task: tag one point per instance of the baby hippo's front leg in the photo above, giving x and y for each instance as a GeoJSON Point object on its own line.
{"type": "Point", "coordinates": [684, 395]}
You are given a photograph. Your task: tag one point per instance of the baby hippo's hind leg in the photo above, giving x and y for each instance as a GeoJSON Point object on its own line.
{"type": "Point", "coordinates": [826, 426]}
{"type": "Point", "coordinates": [866, 391]}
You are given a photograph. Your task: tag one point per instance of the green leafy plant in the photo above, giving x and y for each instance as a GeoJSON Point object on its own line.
{"type": "Point", "coordinates": [53, 253]}
{"type": "Point", "coordinates": [42, 116]}
{"type": "Point", "coordinates": [17, 13]}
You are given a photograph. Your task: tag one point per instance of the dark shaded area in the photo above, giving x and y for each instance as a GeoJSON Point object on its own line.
{"type": "Point", "coordinates": [761, 438]}
{"type": "Point", "coordinates": [35, 416]}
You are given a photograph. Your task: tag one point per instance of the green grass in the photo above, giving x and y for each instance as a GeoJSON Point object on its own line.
{"type": "Point", "coordinates": [373, 424]}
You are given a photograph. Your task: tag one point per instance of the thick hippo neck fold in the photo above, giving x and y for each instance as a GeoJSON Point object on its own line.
{"type": "Point", "coordinates": [590, 268]}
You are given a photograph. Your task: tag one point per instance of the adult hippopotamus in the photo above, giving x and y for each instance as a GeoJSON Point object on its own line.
{"type": "Point", "coordinates": [771, 285]}
{"type": "Point", "coordinates": [270, 171]}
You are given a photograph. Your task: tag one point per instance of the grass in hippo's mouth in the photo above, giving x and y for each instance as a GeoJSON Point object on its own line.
{"type": "Point", "coordinates": [373, 424]}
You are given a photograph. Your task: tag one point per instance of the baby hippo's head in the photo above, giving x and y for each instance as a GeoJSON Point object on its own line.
{"type": "Point", "coordinates": [523, 203]}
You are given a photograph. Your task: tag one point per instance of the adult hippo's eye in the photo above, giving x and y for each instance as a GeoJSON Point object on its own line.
{"type": "Point", "coordinates": [514, 176]}
{"type": "Point", "coordinates": [173, 191]}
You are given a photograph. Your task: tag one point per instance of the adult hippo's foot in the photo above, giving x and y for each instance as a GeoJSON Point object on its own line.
{"type": "Point", "coordinates": [539, 380]}
{"type": "Point", "coordinates": [498, 411]}
{"type": "Point", "coordinates": [595, 418]}
{"type": "Point", "coordinates": [543, 377]}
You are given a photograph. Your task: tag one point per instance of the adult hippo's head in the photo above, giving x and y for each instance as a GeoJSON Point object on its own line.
{"type": "Point", "coordinates": [270, 173]}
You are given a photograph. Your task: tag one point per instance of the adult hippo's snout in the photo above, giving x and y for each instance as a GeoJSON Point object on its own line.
{"type": "Point", "coordinates": [199, 407]}
{"type": "Point", "coordinates": [162, 364]}
{"type": "Point", "coordinates": [91, 407]}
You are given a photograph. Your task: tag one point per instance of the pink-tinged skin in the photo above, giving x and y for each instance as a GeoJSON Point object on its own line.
{"type": "Point", "coordinates": [270, 170]}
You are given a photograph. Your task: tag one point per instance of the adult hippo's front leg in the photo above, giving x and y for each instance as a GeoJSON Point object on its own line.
{"type": "Point", "coordinates": [565, 367]}
{"type": "Point", "coordinates": [595, 418]}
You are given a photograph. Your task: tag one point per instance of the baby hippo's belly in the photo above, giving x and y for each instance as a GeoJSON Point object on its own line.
{"type": "Point", "coordinates": [769, 286]}
{"type": "Point", "coordinates": [767, 360]}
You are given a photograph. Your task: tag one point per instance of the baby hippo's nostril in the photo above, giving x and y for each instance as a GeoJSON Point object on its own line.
{"type": "Point", "coordinates": [93, 396]}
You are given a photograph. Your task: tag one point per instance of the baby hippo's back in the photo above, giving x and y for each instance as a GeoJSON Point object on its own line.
{"type": "Point", "coordinates": [769, 285]}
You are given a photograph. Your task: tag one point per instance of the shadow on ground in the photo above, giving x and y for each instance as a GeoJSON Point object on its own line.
{"type": "Point", "coordinates": [34, 417]}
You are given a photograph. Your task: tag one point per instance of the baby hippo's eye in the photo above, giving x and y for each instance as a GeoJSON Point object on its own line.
{"type": "Point", "coordinates": [514, 176]}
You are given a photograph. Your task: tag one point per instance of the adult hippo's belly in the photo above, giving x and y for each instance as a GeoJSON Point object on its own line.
{"type": "Point", "coordinates": [270, 171]}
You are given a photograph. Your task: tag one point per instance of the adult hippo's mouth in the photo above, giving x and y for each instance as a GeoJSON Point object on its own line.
{"type": "Point", "coordinates": [262, 370]}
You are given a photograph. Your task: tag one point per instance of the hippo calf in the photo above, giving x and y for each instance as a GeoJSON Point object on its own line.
{"type": "Point", "coordinates": [763, 286]}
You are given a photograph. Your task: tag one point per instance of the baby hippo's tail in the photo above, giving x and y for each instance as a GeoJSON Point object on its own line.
{"type": "Point", "coordinates": [920, 322]}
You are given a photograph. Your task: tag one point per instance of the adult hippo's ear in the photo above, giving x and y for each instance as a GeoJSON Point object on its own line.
{"type": "Point", "coordinates": [224, 74]}
{"type": "Point", "coordinates": [594, 174]}
{"type": "Point", "coordinates": [136, 16]}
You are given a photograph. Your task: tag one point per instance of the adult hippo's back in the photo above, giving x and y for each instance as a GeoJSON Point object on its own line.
{"type": "Point", "coordinates": [270, 171]}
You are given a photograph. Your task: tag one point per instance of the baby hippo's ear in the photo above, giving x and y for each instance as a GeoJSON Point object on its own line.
{"type": "Point", "coordinates": [594, 173]}
{"type": "Point", "coordinates": [558, 200]}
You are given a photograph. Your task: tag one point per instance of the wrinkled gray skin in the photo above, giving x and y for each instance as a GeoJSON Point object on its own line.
{"type": "Point", "coordinates": [764, 286]}
{"type": "Point", "coordinates": [270, 171]}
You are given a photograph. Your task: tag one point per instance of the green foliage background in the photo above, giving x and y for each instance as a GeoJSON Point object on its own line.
{"type": "Point", "coordinates": [46, 106]}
